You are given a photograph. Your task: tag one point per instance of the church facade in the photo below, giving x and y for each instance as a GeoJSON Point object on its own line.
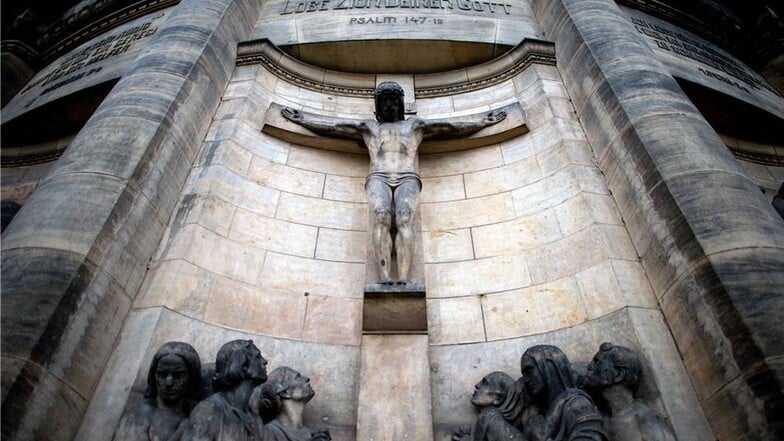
{"type": "Point", "coordinates": [155, 192]}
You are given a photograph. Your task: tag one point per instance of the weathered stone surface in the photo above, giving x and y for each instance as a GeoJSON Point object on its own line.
{"type": "Point", "coordinates": [472, 277]}
{"type": "Point", "coordinates": [456, 368]}
{"type": "Point", "coordinates": [261, 311]}
{"type": "Point", "coordinates": [179, 285]}
{"type": "Point", "coordinates": [272, 234]}
{"type": "Point", "coordinates": [333, 320]}
{"type": "Point", "coordinates": [533, 310]}
{"type": "Point", "coordinates": [664, 165]}
{"type": "Point", "coordinates": [65, 227]}
{"type": "Point", "coordinates": [136, 151]}
{"type": "Point", "coordinates": [217, 181]}
{"type": "Point", "coordinates": [468, 212]}
{"type": "Point", "coordinates": [394, 409]}
{"type": "Point", "coordinates": [394, 309]}
{"type": "Point", "coordinates": [297, 274]}
{"type": "Point", "coordinates": [521, 234]}
{"type": "Point", "coordinates": [332, 368]}
{"type": "Point", "coordinates": [342, 245]}
{"type": "Point", "coordinates": [447, 245]}
{"type": "Point", "coordinates": [455, 320]}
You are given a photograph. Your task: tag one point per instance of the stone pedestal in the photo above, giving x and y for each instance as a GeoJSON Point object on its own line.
{"type": "Point", "coordinates": [394, 397]}
{"type": "Point", "coordinates": [394, 309]}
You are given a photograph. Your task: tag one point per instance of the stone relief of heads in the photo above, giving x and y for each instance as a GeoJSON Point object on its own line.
{"type": "Point", "coordinates": [239, 401]}
{"type": "Point", "coordinates": [549, 402]}
{"type": "Point", "coordinates": [546, 403]}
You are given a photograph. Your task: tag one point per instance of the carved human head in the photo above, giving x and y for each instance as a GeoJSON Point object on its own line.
{"type": "Point", "coordinates": [546, 372]}
{"type": "Point", "coordinates": [284, 383]}
{"type": "Point", "coordinates": [175, 373]}
{"type": "Point", "coordinates": [289, 384]}
{"type": "Point", "coordinates": [492, 390]}
{"type": "Point", "coordinates": [613, 365]}
{"type": "Point", "coordinates": [238, 361]}
{"type": "Point", "coordinates": [389, 102]}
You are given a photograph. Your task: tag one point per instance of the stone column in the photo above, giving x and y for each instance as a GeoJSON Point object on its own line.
{"type": "Point", "coordinates": [75, 256]}
{"type": "Point", "coordinates": [712, 246]}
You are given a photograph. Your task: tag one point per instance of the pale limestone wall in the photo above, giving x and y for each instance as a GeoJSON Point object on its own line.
{"type": "Point", "coordinates": [522, 244]}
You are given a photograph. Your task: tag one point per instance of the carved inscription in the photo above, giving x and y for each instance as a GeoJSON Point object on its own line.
{"type": "Point", "coordinates": [672, 40]}
{"type": "Point", "coordinates": [72, 68]}
{"type": "Point", "coordinates": [395, 20]}
{"type": "Point", "coordinates": [302, 6]}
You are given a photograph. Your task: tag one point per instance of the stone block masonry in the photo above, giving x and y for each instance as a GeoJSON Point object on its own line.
{"type": "Point", "coordinates": [74, 258]}
{"type": "Point", "coordinates": [711, 244]}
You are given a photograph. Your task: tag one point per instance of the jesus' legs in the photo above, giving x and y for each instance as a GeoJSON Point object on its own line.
{"type": "Point", "coordinates": [406, 200]}
{"type": "Point", "coordinates": [379, 196]}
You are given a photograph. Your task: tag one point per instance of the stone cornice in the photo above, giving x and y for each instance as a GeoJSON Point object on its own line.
{"type": "Point", "coordinates": [426, 85]}
{"type": "Point", "coordinates": [769, 159]}
{"type": "Point", "coordinates": [20, 49]}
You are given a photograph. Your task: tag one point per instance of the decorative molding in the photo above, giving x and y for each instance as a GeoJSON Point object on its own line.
{"type": "Point", "coordinates": [20, 49]}
{"type": "Point", "coordinates": [309, 77]}
{"type": "Point", "coordinates": [31, 159]}
{"type": "Point", "coordinates": [495, 71]}
{"type": "Point", "coordinates": [758, 158]}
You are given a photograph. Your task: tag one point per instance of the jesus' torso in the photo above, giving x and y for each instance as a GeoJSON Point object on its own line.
{"type": "Point", "coordinates": [393, 145]}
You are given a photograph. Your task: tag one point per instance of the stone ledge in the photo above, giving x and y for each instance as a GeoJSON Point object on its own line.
{"type": "Point", "coordinates": [394, 309]}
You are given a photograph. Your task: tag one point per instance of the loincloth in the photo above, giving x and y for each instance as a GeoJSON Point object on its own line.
{"type": "Point", "coordinates": [394, 180]}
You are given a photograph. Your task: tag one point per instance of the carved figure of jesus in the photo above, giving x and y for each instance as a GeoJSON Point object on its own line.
{"type": "Point", "coordinates": [393, 184]}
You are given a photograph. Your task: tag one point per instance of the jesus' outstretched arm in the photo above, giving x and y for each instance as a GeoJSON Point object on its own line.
{"type": "Point", "coordinates": [324, 125]}
{"type": "Point", "coordinates": [442, 128]}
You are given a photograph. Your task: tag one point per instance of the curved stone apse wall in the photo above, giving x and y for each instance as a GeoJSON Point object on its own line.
{"type": "Point", "coordinates": [521, 243]}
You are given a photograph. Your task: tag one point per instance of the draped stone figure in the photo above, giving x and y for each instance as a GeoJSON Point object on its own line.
{"type": "Point", "coordinates": [226, 415]}
{"type": "Point", "coordinates": [393, 184]}
{"type": "Point", "coordinates": [283, 399]}
{"type": "Point", "coordinates": [614, 373]}
{"type": "Point", "coordinates": [173, 388]}
{"type": "Point", "coordinates": [566, 413]}
{"type": "Point", "coordinates": [492, 397]}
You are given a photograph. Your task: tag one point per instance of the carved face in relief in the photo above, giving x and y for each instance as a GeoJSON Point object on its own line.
{"type": "Point", "coordinates": [257, 368]}
{"type": "Point", "coordinates": [290, 384]}
{"type": "Point", "coordinates": [388, 107]}
{"type": "Point", "coordinates": [601, 371]}
{"type": "Point", "coordinates": [238, 361]}
{"type": "Point", "coordinates": [612, 365]}
{"type": "Point", "coordinates": [483, 394]}
{"type": "Point", "coordinates": [171, 378]}
{"type": "Point", "coordinates": [299, 388]}
{"type": "Point", "coordinates": [174, 375]}
{"type": "Point", "coordinates": [492, 390]}
{"type": "Point", "coordinates": [531, 376]}
{"type": "Point", "coordinates": [389, 102]}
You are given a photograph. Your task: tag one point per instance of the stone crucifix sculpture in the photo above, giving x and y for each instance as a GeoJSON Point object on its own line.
{"type": "Point", "coordinates": [393, 184]}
